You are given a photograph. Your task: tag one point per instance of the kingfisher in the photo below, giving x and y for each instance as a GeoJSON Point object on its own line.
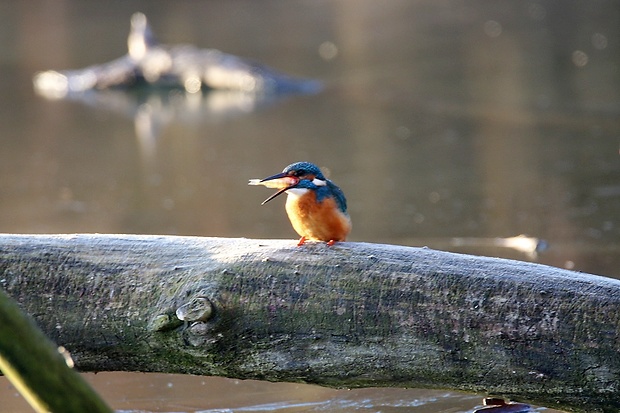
{"type": "Point", "coordinates": [315, 206]}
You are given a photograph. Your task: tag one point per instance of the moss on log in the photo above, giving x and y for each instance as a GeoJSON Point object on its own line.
{"type": "Point", "coordinates": [350, 315]}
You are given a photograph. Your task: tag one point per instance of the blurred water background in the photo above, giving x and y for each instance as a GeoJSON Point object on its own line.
{"type": "Point", "coordinates": [449, 124]}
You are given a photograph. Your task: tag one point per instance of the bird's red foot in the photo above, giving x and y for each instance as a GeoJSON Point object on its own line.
{"type": "Point", "coordinates": [301, 241]}
{"type": "Point", "coordinates": [331, 242]}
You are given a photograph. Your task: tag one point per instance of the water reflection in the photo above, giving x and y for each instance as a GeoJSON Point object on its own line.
{"type": "Point", "coordinates": [153, 109]}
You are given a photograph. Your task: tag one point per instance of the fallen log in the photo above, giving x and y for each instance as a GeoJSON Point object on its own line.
{"type": "Point", "coordinates": [351, 315]}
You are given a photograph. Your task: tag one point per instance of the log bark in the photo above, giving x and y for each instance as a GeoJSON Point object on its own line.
{"type": "Point", "coordinates": [351, 315]}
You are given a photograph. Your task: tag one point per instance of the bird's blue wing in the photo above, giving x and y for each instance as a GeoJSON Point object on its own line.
{"type": "Point", "coordinates": [338, 195]}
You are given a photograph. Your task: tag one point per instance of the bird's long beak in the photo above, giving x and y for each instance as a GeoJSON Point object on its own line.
{"type": "Point", "coordinates": [282, 181]}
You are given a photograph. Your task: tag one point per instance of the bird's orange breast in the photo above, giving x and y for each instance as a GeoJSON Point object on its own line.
{"type": "Point", "coordinates": [321, 221]}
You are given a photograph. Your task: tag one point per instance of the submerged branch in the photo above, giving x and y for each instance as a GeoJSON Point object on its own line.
{"type": "Point", "coordinates": [351, 315]}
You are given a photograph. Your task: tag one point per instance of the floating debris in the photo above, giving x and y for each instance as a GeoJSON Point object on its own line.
{"type": "Point", "coordinates": [530, 246]}
{"type": "Point", "coordinates": [497, 405]}
{"type": "Point", "coordinates": [148, 62]}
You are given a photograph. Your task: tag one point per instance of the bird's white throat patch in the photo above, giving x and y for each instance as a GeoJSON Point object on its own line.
{"type": "Point", "coordinates": [297, 192]}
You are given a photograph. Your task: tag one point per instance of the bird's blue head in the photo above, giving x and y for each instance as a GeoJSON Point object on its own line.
{"type": "Point", "coordinates": [296, 175]}
{"type": "Point", "coordinates": [304, 170]}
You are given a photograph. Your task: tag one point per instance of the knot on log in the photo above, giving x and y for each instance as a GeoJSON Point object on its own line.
{"type": "Point", "coordinates": [195, 308]}
{"type": "Point", "coordinates": [201, 335]}
{"type": "Point", "coordinates": [198, 309]}
{"type": "Point", "coordinates": [197, 312]}
{"type": "Point", "coordinates": [164, 322]}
